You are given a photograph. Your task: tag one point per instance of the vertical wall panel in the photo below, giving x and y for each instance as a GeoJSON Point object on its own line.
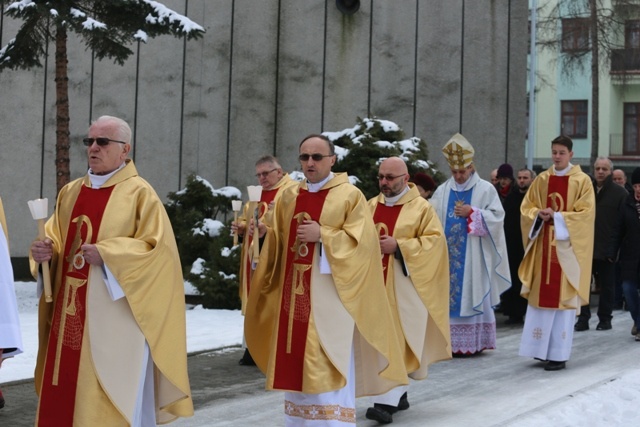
{"type": "Point", "coordinates": [300, 76]}
{"type": "Point", "coordinates": [252, 87]}
{"type": "Point", "coordinates": [393, 61]}
{"type": "Point", "coordinates": [347, 67]}
{"type": "Point", "coordinates": [484, 96]}
{"type": "Point", "coordinates": [438, 74]}
{"type": "Point", "coordinates": [207, 93]}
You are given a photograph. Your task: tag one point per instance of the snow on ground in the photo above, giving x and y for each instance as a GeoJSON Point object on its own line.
{"type": "Point", "coordinates": [206, 330]}
{"type": "Point", "coordinates": [613, 402]}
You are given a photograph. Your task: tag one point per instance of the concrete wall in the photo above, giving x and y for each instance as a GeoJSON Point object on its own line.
{"type": "Point", "coordinates": [266, 74]}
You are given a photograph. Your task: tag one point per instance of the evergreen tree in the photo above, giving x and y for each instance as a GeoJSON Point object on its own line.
{"type": "Point", "coordinates": [361, 149]}
{"type": "Point", "coordinates": [107, 28]}
{"type": "Point", "coordinates": [209, 260]}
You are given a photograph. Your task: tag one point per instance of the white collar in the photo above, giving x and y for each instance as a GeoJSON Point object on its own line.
{"type": "Point", "coordinates": [390, 201]}
{"type": "Point", "coordinates": [98, 181]}
{"type": "Point", "coordinates": [315, 187]}
{"type": "Point", "coordinates": [562, 172]}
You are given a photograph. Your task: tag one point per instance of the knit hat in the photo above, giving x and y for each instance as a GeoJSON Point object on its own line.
{"type": "Point", "coordinates": [635, 176]}
{"type": "Point", "coordinates": [505, 171]}
{"type": "Point", "coordinates": [424, 181]}
{"type": "Point", "coordinates": [458, 152]}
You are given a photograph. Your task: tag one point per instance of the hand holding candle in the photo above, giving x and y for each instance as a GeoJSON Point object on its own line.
{"type": "Point", "coordinates": [236, 205]}
{"type": "Point", "coordinates": [38, 210]}
{"type": "Point", "coordinates": [255, 192]}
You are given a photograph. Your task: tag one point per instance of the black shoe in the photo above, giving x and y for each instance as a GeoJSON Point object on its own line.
{"type": "Point", "coordinates": [378, 414]}
{"type": "Point", "coordinates": [541, 360]}
{"type": "Point", "coordinates": [603, 325]}
{"type": "Point", "coordinates": [404, 402]}
{"type": "Point", "coordinates": [555, 366]}
{"type": "Point", "coordinates": [246, 360]}
{"type": "Point", "coordinates": [581, 325]}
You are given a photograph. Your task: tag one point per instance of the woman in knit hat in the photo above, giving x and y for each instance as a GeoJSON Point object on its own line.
{"type": "Point", "coordinates": [425, 184]}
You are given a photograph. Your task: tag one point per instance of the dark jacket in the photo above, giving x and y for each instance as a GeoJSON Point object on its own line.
{"type": "Point", "coordinates": [629, 238]}
{"type": "Point", "coordinates": [608, 202]}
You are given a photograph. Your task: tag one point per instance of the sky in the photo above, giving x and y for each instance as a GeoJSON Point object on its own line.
{"type": "Point", "coordinates": [611, 403]}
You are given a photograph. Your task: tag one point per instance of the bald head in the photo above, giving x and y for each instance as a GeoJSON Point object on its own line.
{"type": "Point", "coordinates": [619, 177]}
{"type": "Point", "coordinates": [393, 176]}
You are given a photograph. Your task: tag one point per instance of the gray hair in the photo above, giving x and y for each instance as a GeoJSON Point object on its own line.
{"type": "Point", "coordinates": [268, 159]}
{"type": "Point", "coordinates": [121, 127]}
{"type": "Point", "coordinates": [604, 158]}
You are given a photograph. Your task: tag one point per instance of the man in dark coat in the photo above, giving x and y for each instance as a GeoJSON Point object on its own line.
{"type": "Point", "coordinates": [609, 198]}
{"type": "Point", "coordinates": [513, 305]}
{"type": "Point", "coordinates": [628, 237]}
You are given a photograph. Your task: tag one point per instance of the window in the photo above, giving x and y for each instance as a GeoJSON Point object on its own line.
{"type": "Point", "coordinates": [575, 119]}
{"type": "Point", "coordinates": [575, 34]}
{"type": "Point", "coordinates": [631, 141]}
{"type": "Point", "coordinates": [632, 34]}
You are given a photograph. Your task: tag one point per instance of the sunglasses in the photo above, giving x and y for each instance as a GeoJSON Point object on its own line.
{"type": "Point", "coordinates": [265, 174]}
{"type": "Point", "coordinates": [389, 178]}
{"type": "Point", "coordinates": [100, 141]}
{"type": "Point", "coordinates": [315, 156]}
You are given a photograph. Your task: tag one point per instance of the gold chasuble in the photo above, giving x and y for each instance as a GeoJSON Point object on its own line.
{"type": "Point", "coordinates": [417, 283]}
{"type": "Point", "coordinates": [91, 347]}
{"type": "Point", "coordinates": [246, 254]}
{"type": "Point", "coordinates": [302, 320]}
{"type": "Point", "coordinates": [556, 274]}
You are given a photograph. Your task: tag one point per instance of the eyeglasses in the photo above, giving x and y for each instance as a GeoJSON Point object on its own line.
{"type": "Point", "coordinates": [389, 178]}
{"type": "Point", "coordinates": [265, 174]}
{"type": "Point", "coordinates": [315, 156]}
{"type": "Point", "coordinates": [100, 141]}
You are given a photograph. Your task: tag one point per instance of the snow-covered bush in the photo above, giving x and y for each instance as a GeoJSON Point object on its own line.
{"type": "Point", "coordinates": [209, 261]}
{"type": "Point", "coordinates": [360, 150]}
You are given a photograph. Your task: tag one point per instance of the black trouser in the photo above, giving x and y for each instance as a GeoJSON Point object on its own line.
{"type": "Point", "coordinates": [604, 274]}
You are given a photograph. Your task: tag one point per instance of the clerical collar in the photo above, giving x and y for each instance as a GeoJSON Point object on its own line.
{"type": "Point", "coordinates": [464, 185]}
{"type": "Point", "coordinates": [564, 171]}
{"type": "Point", "coordinates": [315, 187]}
{"type": "Point", "coordinates": [390, 201]}
{"type": "Point", "coordinates": [98, 181]}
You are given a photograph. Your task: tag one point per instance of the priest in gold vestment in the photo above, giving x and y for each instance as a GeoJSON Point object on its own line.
{"type": "Point", "coordinates": [318, 322]}
{"type": "Point", "coordinates": [416, 269]}
{"type": "Point", "coordinates": [112, 345]}
{"type": "Point", "coordinates": [273, 180]}
{"type": "Point", "coordinates": [558, 214]}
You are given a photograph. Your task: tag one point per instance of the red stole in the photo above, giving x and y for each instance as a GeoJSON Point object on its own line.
{"type": "Point", "coordinates": [385, 218]}
{"type": "Point", "coordinates": [60, 378]}
{"type": "Point", "coordinates": [551, 270]}
{"type": "Point", "coordinates": [266, 197]}
{"type": "Point", "coordinates": [295, 306]}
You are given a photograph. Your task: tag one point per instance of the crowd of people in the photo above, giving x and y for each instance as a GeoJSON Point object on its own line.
{"type": "Point", "coordinates": [343, 297]}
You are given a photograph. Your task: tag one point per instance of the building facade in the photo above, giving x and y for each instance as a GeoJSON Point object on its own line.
{"type": "Point", "coordinates": [564, 97]}
{"type": "Point", "coordinates": [265, 74]}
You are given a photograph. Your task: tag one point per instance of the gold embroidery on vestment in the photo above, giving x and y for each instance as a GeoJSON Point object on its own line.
{"type": "Point", "coordinates": [71, 336]}
{"type": "Point", "coordinates": [320, 412]}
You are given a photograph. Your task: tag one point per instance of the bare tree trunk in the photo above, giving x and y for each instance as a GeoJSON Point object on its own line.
{"type": "Point", "coordinates": [595, 82]}
{"type": "Point", "coordinates": [62, 110]}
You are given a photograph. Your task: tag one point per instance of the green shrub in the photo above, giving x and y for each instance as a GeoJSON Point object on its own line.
{"type": "Point", "coordinates": [210, 263]}
{"type": "Point", "coordinates": [361, 148]}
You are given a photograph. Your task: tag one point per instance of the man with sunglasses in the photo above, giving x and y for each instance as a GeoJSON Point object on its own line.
{"type": "Point", "coordinates": [472, 216]}
{"type": "Point", "coordinates": [273, 181]}
{"type": "Point", "coordinates": [317, 311]}
{"type": "Point", "coordinates": [113, 342]}
{"type": "Point", "coordinates": [415, 265]}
